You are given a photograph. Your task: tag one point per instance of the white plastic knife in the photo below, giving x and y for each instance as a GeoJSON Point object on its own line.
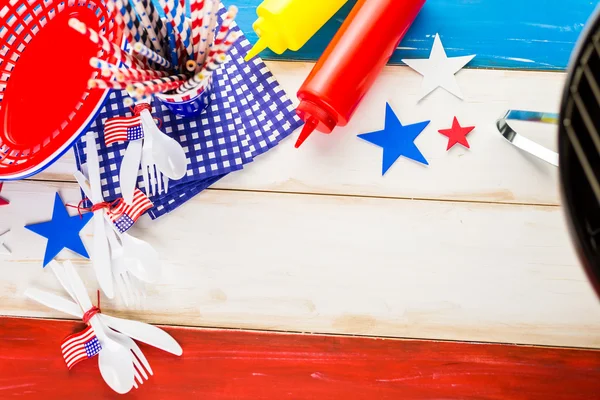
{"type": "Point", "coordinates": [101, 256]}
{"type": "Point", "coordinates": [143, 332]}
{"type": "Point", "coordinates": [146, 333]}
{"type": "Point", "coordinates": [130, 167]}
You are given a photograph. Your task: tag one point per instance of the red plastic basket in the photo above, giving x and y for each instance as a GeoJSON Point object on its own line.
{"type": "Point", "coordinates": [44, 70]}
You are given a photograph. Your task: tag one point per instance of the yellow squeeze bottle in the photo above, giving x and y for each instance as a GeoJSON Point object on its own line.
{"type": "Point", "coordinates": [289, 24]}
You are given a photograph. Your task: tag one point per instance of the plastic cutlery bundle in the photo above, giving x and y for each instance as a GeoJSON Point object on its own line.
{"type": "Point", "coordinates": [122, 364]}
{"type": "Point", "coordinates": [119, 259]}
{"type": "Point", "coordinates": [161, 157]}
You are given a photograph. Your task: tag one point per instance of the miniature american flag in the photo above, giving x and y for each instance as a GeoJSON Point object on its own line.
{"type": "Point", "coordinates": [80, 346]}
{"type": "Point", "coordinates": [123, 216]}
{"type": "Point", "coordinates": [122, 129]}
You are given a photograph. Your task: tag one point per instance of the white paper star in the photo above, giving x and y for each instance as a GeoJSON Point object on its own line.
{"type": "Point", "coordinates": [438, 70]}
{"type": "Point", "coordinates": [3, 249]}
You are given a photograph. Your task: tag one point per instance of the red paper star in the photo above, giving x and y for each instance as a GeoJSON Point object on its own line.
{"type": "Point", "coordinates": [457, 134]}
{"type": "Point", "coordinates": [3, 202]}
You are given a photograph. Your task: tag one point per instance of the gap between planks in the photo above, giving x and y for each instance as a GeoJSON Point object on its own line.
{"type": "Point", "coordinates": [492, 171]}
{"type": "Point", "coordinates": [207, 328]}
{"type": "Point", "coordinates": [359, 196]}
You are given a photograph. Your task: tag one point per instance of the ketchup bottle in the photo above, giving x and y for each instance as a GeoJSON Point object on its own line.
{"type": "Point", "coordinates": [352, 61]}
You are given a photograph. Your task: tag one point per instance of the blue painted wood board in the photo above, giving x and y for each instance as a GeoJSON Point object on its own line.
{"type": "Point", "coordinates": [520, 34]}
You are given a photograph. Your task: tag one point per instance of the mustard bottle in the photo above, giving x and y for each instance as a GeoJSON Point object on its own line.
{"type": "Point", "coordinates": [289, 24]}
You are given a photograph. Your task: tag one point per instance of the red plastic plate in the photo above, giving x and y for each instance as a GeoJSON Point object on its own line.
{"type": "Point", "coordinates": [44, 70]}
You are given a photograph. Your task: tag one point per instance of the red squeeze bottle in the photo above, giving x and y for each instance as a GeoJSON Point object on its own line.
{"type": "Point", "coordinates": [352, 61]}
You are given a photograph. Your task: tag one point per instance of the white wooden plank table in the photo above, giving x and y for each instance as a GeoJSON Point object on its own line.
{"type": "Point", "coordinates": [473, 247]}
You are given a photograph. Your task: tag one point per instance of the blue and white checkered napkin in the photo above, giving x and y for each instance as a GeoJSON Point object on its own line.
{"type": "Point", "coordinates": [249, 114]}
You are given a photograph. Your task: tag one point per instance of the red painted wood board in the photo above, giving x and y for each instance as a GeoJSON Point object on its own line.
{"type": "Point", "coordinates": [232, 364]}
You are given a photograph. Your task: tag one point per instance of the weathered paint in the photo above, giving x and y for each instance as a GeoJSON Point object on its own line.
{"type": "Point", "coordinates": [232, 364]}
{"type": "Point", "coordinates": [503, 34]}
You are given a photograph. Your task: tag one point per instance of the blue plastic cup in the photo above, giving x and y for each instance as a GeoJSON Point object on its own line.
{"type": "Point", "coordinates": [189, 104]}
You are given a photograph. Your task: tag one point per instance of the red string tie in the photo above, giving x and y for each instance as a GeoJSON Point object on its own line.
{"type": "Point", "coordinates": [105, 204]}
{"type": "Point", "coordinates": [89, 314]}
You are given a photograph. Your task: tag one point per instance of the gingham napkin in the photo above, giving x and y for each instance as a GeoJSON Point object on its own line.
{"type": "Point", "coordinates": [249, 114]}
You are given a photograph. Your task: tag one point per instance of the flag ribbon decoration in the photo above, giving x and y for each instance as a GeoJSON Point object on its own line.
{"type": "Point", "coordinates": [122, 215]}
{"type": "Point", "coordinates": [124, 129]}
{"type": "Point", "coordinates": [82, 345]}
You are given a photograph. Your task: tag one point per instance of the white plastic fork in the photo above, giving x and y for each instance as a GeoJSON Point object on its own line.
{"type": "Point", "coordinates": [128, 286]}
{"type": "Point", "coordinates": [140, 363]}
{"type": "Point", "coordinates": [153, 179]}
{"type": "Point", "coordinates": [139, 360]}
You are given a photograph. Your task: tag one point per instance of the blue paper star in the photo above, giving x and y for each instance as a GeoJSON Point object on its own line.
{"type": "Point", "coordinates": [397, 140]}
{"type": "Point", "coordinates": [62, 231]}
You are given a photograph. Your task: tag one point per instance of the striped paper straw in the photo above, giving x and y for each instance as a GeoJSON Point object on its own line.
{"type": "Point", "coordinates": [119, 20]}
{"type": "Point", "coordinates": [197, 80]}
{"type": "Point", "coordinates": [155, 20]}
{"type": "Point", "coordinates": [213, 24]}
{"type": "Point", "coordinates": [179, 14]}
{"type": "Point", "coordinates": [130, 19]}
{"type": "Point", "coordinates": [162, 87]}
{"type": "Point", "coordinates": [223, 30]}
{"type": "Point", "coordinates": [139, 75]}
{"type": "Point", "coordinates": [186, 39]}
{"type": "Point", "coordinates": [182, 26]}
{"type": "Point", "coordinates": [169, 9]}
{"type": "Point", "coordinates": [172, 44]}
{"type": "Point", "coordinates": [214, 64]}
{"type": "Point", "coordinates": [140, 87]}
{"type": "Point", "coordinates": [106, 84]}
{"type": "Point", "coordinates": [191, 65]}
{"type": "Point", "coordinates": [104, 66]}
{"type": "Point", "coordinates": [140, 8]}
{"type": "Point", "coordinates": [226, 45]}
{"type": "Point", "coordinates": [197, 9]}
{"type": "Point", "coordinates": [151, 55]}
{"type": "Point", "coordinates": [206, 20]}
{"type": "Point", "coordinates": [111, 49]}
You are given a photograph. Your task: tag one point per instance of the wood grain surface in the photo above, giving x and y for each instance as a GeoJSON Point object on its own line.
{"type": "Point", "coordinates": [504, 34]}
{"type": "Point", "coordinates": [336, 264]}
{"type": "Point", "coordinates": [492, 170]}
{"type": "Point", "coordinates": [221, 364]}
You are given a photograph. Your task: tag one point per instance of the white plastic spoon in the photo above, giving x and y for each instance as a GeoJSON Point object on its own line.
{"type": "Point", "coordinates": [114, 360]}
{"type": "Point", "coordinates": [168, 154]}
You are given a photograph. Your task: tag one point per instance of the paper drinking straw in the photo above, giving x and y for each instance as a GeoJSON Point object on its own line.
{"type": "Point", "coordinates": [201, 77]}
{"type": "Point", "coordinates": [197, 10]}
{"type": "Point", "coordinates": [106, 84]}
{"type": "Point", "coordinates": [110, 48]}
{"type": "Point", "coordinates": [191, 65]}
{"type": "Point", "coordinates": [140, 8]}
{"type": "Point", "coordinates": [212, 26]}
{"type": "Point", "coordinates": [151, 55]}
{"type": "Point", "coordinates": [139, 75]}
{"type": "Point", "coordinates": [214, 64]}
{"type": "Point", "coordinates": [223, 30]}
{"type": "Point", "coordinates": [123, 20]}
{"type": "Point", "coordinates": [139, 88]}
{"type": "Point", "coordinates": [131, 20]}
{"type": "Point", "coordinates": [105, 66]}
{"type": "Point", "coordinates": [169, 10]}
{"type": "Point", "coordinates": [197, 80]}
{"type": "Point", "coordinates": [155, 20]}
{"type": "Point", "coordinates": [110, 5]}
{"type": "Point", "coordinates": [207, 14]}
{"type": "Point", "coordinates": [226, 45]}
{"type": "Point", "coordinates": [180, 14]}
{"type": "Point", "coordinates": [182, 26]}
{"type": "Point", "coordinates": [162, 87]}
{"type": "Point", "coordinates": [186, 39]}
{"type": "Point", "coordinates": [172, 45]}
